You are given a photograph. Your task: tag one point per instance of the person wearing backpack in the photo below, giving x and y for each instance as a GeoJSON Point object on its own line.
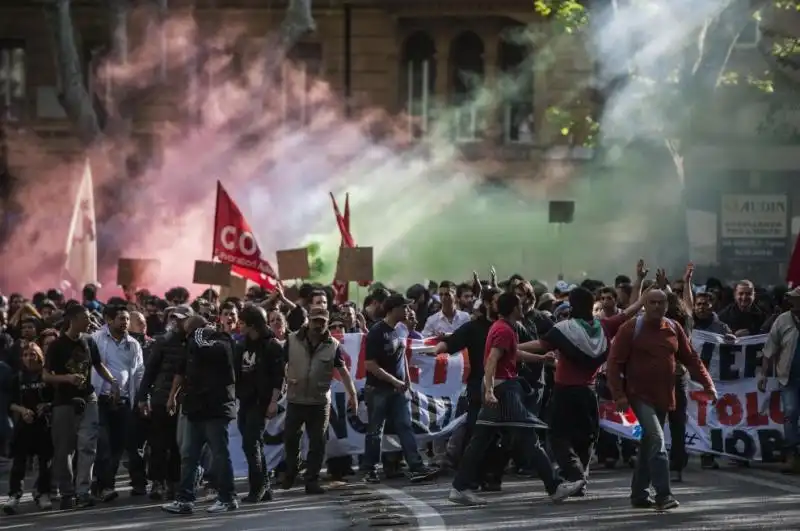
{"type": "Point", "coordinates": [641, 368]}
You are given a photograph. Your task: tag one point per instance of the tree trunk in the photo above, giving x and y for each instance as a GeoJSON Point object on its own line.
{"type": "Point", "coordinates": [72, 93]}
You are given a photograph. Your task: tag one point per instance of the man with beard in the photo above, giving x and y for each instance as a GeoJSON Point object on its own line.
{"type": "Point", "coordinates": [208, 378]}
{"type": "Point", "coordinates": [781, 351]}
{"type": "Point", "coordinates": [582, 343]}
{"type": "Point", "coordinates": [503, 409]}
{"type": "Point", "coordinates": [122, 355]}
{"type": "Point", "coordinates": [168, 353]}
{"type": "Point", "coordinates": [259, 378]}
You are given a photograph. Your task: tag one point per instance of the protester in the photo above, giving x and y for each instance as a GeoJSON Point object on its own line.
{"type": "Point", "coordinates": [311, 356]}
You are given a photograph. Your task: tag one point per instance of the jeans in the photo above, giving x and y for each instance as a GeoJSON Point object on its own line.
{"type": "Point", "coordinates": [74, 432]}
{"type": "Point", "coordinates": [137, 444]}
{"type": "Point", "coordinates": [197, 434]}
{"type": "Point", "coordinates": [315, 418]}
{"type": "Point", "coordinates": [790, 401]}
{"type": "Point", "coordinates": [652, 467]}
{"type": "Point", "coordinates": [678, 457]}
{"type": "Point", "coordinates": [31, 440]}
{"type": "Point", "coordinates": [6, 374]}
{"type": "Point", "coordinates": [383, 404]}
{"type": "Point", "coordinates": [114, 420]}
{"type": "Point", "coordinates": [252, 422]}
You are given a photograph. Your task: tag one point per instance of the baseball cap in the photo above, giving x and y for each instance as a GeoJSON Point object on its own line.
{"type": "Point", "coordinates": [395, 301]}
{"type": "Point", "coordinates": [318, 313]}
{"type": "Point", "coordinates": [183, 311]}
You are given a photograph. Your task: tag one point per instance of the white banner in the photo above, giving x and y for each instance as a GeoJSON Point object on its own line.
{"type": "Point", "coordinates": [744, 423]}
{"type": "Point", "coordinates": [437, 385]}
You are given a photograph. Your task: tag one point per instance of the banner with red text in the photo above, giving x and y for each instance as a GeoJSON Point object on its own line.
{"type": "Point", "coordinates": [744, 423]}
{"type": "Point", "coordinates": [437, 385]}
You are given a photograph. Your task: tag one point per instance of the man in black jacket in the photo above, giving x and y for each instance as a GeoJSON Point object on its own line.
{"type": "Point", "coordinates": [259, 378]}
{"type": "Point", "coordinates": [167, 354]}
{"type": "Point", "coordinates": [208, 378]}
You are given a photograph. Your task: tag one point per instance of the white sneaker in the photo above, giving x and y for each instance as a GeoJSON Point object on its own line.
{"type": "Point", "coordinates": [11, 505]}
{"type": "Point", "coordinates": [44, 502]}
{"type": "Point", "coordinates": [222, 507]}
{"type": "Point", "coordinates": [465, 497]}
{"type": "Point", "coordinates": [567, 489]}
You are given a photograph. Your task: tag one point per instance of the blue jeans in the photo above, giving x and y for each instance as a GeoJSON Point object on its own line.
{"type": "Point", "coordinates": [652, 466]}
{"type": "Point", "coordinates": [196, 435]}
{"type": "Point", "coordinates": [385, 404]}
{"type": "Point", "coordinates": [790, 401]}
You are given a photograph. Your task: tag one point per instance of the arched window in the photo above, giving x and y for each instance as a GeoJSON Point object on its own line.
{"type": "Point", "coordinates": [418, 70]}
{"type": "Point", "coordinates": [517, 73]}
{"type": "Point", "coordinates": [466, 58]}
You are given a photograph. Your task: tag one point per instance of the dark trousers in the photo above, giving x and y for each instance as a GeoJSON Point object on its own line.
{"type": "Point", "coordinates": [138, 434]}
{"type": "Point", "coordinates": [165, 456]}
{"type": "Point", "coordinates": [678, 457]}
{"type": "Point", "coordinates": [252, 423]}
{"type": "Point", "coordinates": [112, 436]}
{"type": "Point", "coordinates": [213, 432]}
{"type": "Point", "coordinates": [525, 442]}
{"type": "Point", "coordinates": [315, 418]}
{"type": "Point", "coordinates": [574, 424]}
{"type": "Point", "coordinates": [30, 440]}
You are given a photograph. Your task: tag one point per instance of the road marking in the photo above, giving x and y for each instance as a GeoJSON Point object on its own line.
{"type": "Point", "coordinates": [762, 482]}
{"type": "Point", "coordinates": [428, 518]}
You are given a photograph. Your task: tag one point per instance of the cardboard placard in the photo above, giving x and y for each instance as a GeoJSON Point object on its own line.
{"type": "Point", "coordinates": [137, 272]}
{"type": "Point", "coordinates": [355, 264]}
{"type": "Point", "coordinates": [237, 287]}
{"type": "Point", "coordinates": [211, 273]}
{"type": "Point", "coordinates": [293, 263]}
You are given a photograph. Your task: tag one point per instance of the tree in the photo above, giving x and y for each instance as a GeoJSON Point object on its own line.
{"type": "Point", "coordinates": [669, 99]}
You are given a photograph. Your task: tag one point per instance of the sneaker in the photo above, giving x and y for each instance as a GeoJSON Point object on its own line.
{"type": "Point", "coordinates": [84, 501]}
{"type": "Point", "coordinates": [567, 489]}
{"type": "Point", "coordinates": [157, 491]}
{"type": "Point", "coordinates": [372, 478]}
{"type": "Point", "coordinates": [178, 507]}
{"type": "Point", "coordinates": [67, 503]}
{"type": "Point", "coordinates": [108, 495]}
{"type": "Point", "coordinates": [44, 503]}
{"type": "Point", "coordinates": [11, 505]}
{"type": "Point", "coordinates": [646, 503]}
{"type": "Point", "coordinates": [314, 488]}
{"type": "Point", "coordinates": [139, 490]}
{"type": "Point", "coordinates": [666, 504]}
{"type": "Point", "coordinates": [422, 474]}
{"type": "Point", "coordinates": [287, 482]}
{"type": "Point", "coordinates": [267, 496]}
{"type": "Point", "coordinates": [465, 497]}
{"type": "Point", "coordinates": [223, 507]}
{"type": "Point", "coordinates": [254, 497]}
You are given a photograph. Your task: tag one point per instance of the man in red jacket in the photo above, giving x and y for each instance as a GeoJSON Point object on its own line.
{"type": "Point", "coordinates": [640, 371]}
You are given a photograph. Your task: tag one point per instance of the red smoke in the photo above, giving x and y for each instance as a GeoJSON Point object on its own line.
{"type": "Point", "coordinates": [226, 122]}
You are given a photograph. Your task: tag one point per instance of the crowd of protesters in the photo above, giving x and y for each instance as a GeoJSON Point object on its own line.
{"type": "Point", "coordinates": [85, 383]}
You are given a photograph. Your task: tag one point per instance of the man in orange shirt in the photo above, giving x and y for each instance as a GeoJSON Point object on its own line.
{"type": "Point", "coordinates": [640, 371]}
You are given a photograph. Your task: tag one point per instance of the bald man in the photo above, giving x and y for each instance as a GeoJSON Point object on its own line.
{"type": "Point", "coordinates": [645, 350]}
{"type": "Point", "coordinates": [137, 325]}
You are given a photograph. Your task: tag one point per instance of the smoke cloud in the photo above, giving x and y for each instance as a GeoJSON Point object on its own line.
{"type": "Point", "coordinates": [426, 212]}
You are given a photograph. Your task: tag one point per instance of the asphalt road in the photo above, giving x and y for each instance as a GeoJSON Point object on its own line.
{"type": "Point", "coordinates": [730, 498]}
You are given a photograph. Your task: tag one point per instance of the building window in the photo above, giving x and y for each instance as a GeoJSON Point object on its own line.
{"type": "Point", "coordinates": [466, 58]}
{"type": "Point", "coordinates": [299, 76]}
{"type": "Point", "coordinates": [419, 74]}
{"type": "Point", "coordinates": [750, 35]}
{"type": "Point", "coordinates": [12, 79]}
{"type": "Point", "coordinates": [518, 115]}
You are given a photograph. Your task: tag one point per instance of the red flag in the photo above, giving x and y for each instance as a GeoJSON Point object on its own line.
{"type": "Point", "coordinates": [793, 271]}
{"type": "Point", "coordinates": [235, 244]}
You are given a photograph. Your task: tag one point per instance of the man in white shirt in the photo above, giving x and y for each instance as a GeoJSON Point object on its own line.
{"type": "Point", "coordinates": [449, 318]}
{"type": "Point", "coordinates": [122, 355]}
